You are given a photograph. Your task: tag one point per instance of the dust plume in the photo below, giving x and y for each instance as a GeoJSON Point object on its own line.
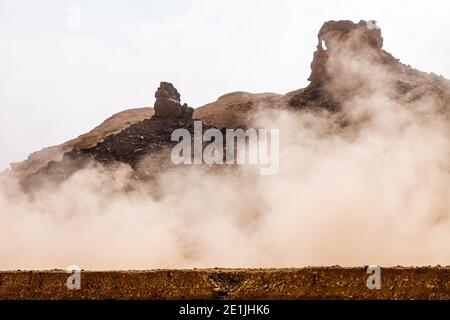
{"type": "Point", "coordinates": [366, 185]}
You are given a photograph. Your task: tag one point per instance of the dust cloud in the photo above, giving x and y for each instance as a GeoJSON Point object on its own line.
{"type": "Point", "coordinates": [372, 191]}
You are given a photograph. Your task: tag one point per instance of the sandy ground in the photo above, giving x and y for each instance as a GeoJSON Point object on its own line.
{"type": "Point", "coordinates": [233, 284]}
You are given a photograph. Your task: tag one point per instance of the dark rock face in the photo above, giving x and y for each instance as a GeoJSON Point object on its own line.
{"type": "Point", "coordinates": [148, 138]}
{"type": "Point", "coordinates": [333, 38]}
{"type": "Point", "coordinates": [134, 143]}
{"type": "Point", "coordinates": [168, 103]}
{"type": "Point", "coordinates": [327, 91]}
{"type": "Point", "coordinates": [362, 42]}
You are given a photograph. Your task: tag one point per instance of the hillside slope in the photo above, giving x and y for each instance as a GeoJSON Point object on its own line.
{"type": "Point", "coordinates": [339, 74]}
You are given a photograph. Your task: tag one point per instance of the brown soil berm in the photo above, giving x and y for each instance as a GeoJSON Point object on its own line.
{"type": "Point", "coordinates": [238, 284]}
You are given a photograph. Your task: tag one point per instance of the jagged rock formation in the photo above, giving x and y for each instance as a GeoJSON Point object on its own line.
{"type": "Point", "coordinates": [343, 35]}
{"type": "Point", "coordinates": [132, 135]}
{"type": "Point", "coordinates": [232, 110]}
{"type": "Point", "coordinates": [146, 138]}
{"type": "Point", "coordinates": [168, 104]}
{"type": "Point", "coordinates": [332, 82]}
{"type": "Point", "coordinates": [333, 38]}
{"type": "Point", "coordinates": [135, 142]}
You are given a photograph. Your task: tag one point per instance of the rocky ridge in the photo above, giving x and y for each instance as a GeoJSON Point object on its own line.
{"type": "Point", "coordinates": [134, 134]}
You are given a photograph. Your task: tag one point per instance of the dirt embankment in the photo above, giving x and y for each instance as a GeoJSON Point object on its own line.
{"type": "Point", "coordinates": [233, 284]}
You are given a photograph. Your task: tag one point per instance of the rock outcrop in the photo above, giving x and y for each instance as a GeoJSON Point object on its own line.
{"type": "Point", "coordinates": [110, 126]}
{"type": "Point", "coordinates": [168, 103]}
{"type": "Point", "coordinates": [134, 134]}
{"type": "Point", "coordinates": [148, 140]}
{"type": "Point", "coordinates": [335, 37]}
{"type": "Point", "coordinates": [342, 45]}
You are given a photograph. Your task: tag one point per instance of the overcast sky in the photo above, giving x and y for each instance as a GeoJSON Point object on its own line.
{"type": "Point", "coordinates": [59, 79]}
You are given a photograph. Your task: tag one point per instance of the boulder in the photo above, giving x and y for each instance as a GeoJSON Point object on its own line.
{"type": "Point", "coordinates": [168, 104]}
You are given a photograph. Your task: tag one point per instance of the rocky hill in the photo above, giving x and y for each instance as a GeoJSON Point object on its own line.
{"type": "Point", "coordinates": [132, 134]}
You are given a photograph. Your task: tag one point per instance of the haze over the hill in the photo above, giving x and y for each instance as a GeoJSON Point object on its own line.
{"type": "Point", "coordinates": [57, 83]}
{"type": "Point", "coordinates": [363, 178]}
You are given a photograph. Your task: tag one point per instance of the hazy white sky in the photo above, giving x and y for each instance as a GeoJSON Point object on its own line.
{"type": "Point", "coordinates": [58, 82]}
